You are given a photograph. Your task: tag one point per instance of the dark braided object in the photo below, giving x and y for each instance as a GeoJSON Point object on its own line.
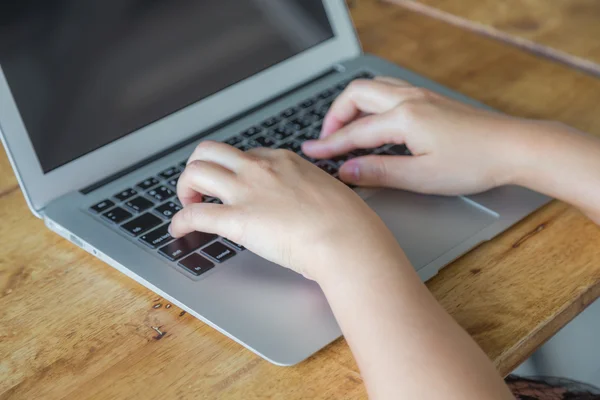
{"type": "Point", "coordinates": [550, 388]}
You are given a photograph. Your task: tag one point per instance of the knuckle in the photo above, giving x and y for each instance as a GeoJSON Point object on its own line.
{"type": "Point", "coordinates": [410, 111]}
{"type": "Point", "coordinates": [193, 165]}
{"type": "Point", "coordinates": [205, 145]}
{"type": "Point", "coordinates": [379, 169]}
{"type": "Point", "coordinates": [356, 85]}
{"type": "Point", "coordinates": [285, 155]}
{"type": "Point", "coordinates": [192, 168]}
{"type": "Point", "coordinates": [359, 86]}
{"type": "Point", "coordinates": [418, 93]}
{"type": "Point", "coordinates": [264, 165]}
{"type": "Point", "coordinates": [189, 213]}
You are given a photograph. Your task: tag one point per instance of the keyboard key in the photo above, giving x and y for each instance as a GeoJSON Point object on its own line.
{"type": "Point", "coordinates": [326, 94]}
{"type": "Point", "coordinates": [243, 147]}
{"type": "Point", "coordinates": [310, 134]}
{"type": "Point", "coordinates": [327, 167]}
{"type": "Point", "coordinates": [234, 244]}
{"type": "Point", "coordinates": [169, 172]}
{"type": "Point", "coordinates": [364, 75]}
{"type": "Point", "coordinates": [307, 103]}
{"type": "Point", "coordinates": [196, 264]}
{"type": "Point", "coordinates": [218, 251]}
{"type": "Point", "coordinates": [360, 152]}
{"type": "Point", "coordinates": [185, 245]}
{"type": "Point", "coordinates": [281, 136]}
{"type": "Point", "coordinates": [102, 206]}
{"type": "Point", "coordinates": [289, 112]}
{"type": "Point", "coordinates": [399, 149]}
{"type": "Point", "coordinates": [148, 183]}
{"type": "Point", "coordinates": [255, 130]}
{"type": "Point", "coordinates": [321, 112]}
{"type": "Point", "coordinates": [269, 122]}
{"type": "Point", "coordinates": [161, 193]}
{"type": "Point", "coordinates": [182, 165]}
{"type": "Point", "coordinates": [282, 132]}
{"type": "Point", "coordinates": [292, 146]}
{"type": "Point", "coordinates": [117, 215]}
{"type": "Point", "coordinates": [342, 85]}
{"type": "Point", "coordinates": [252, 144]}
{"type": "Point", "coordinates": [261, 141]}
{"type": "Point", "coordinates": [308, 110]}
{"type": "Point", "coordinates": [168, 209]}
{"type": "Point", "coordinates": [139, 204]}
{"type": "Point", "coordinates": [234, 140]}
{"type": "Point", "coordinates": [301, 123]}
{"type": "Point", "coordinates": [173, 181]}
{"type": "Point", "coordinates": [327, 105]}
{"type": "Point", "coordinates": [157, 237]}
{"type": "Point", "coordinates": [125, 194]}
{"type": "Point", "coordinates": [312, 118]}
{"type": "Point", "coordinates": [294, 127]}
{"type": "Point", "coordinates": [141, 224]}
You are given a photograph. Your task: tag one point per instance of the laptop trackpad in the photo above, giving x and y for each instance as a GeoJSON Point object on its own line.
{"type": "Point", "coordinates": [428, 226]}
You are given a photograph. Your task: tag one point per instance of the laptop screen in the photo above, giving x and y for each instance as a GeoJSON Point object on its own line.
{"type": "Point", "coordinates": [86, 73]}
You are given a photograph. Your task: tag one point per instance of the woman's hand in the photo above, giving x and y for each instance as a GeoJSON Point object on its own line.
{"type": "Point", "coordinates": [458, 149]}
{"type": "Point", "coordinates": [282, 208]}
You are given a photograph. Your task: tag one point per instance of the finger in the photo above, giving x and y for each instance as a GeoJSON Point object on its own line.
{"type": "Point", "coordinates": [219, 153]}
{"type": "Point", "coordinates": [202, 177]}
{"type": "Point", "coordinates": [203, 217]}
{"type": "Point", "coordinates": [361, 96]}
{"type": "Point", "coordinates": [392, 81]}
{"type": "Point", "coordinates": [274, 154]}
{"type": "Point", "coordinates": [400, 172]}
{"type": "Point", "coordinates": [368, 132]}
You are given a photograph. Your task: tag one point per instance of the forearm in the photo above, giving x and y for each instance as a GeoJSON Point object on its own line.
{"type": "Point", "coordinates": [562, 163]}
{"type": "Point", "coordinates": [405, 343]}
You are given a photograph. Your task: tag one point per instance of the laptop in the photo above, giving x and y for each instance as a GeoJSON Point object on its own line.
{"type": "Point", "coordinates": [102, 102]}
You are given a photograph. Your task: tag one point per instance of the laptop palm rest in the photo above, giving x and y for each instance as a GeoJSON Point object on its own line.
{"type": "Point", "coordinates": [429, 226]}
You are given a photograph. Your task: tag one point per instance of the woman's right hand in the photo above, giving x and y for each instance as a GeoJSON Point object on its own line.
{"type": "Point", "coordinates": [457, 148]}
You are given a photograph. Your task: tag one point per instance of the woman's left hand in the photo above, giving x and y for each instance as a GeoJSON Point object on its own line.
{"type": "Point", "coordinates": [283, 208]}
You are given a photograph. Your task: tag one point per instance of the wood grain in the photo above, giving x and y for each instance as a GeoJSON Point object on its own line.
{"type": "Point", "coordinates": [563, 30]}
{"type": "Point", "coordinates": [71, 327]}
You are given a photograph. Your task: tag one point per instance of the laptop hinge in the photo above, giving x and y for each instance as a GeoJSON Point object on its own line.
{"type": "Point", "coordinates": [202, 134]}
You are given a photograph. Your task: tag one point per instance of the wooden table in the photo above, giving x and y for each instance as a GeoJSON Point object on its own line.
{"type": "Point", "coordinates": [72, 327]}
{"type": "Point", "coordinates": [566, 31]}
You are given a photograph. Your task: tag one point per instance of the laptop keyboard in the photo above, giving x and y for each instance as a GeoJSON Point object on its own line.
{"type": "Point", "coordinates": [144, 212]}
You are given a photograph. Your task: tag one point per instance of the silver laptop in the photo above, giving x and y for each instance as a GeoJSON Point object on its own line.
{"type": "Point", "coordinates": [101, 102]}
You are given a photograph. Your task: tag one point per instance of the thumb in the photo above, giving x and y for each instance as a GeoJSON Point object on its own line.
{"type": "Point", "coordinates": [399, 172]}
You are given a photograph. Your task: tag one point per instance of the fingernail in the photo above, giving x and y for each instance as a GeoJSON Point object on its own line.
{"type": "Point", "coordinates": [351, 170]}
{"type": "Point", "coordinates": [169, 230]}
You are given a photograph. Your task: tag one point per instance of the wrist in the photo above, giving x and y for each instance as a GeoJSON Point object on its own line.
{"type": "Point", "coordinates": [560, 162]}
{"type": "Point", "coordinates": [347, 268]}
{"type": "Point", "coordinates": [526, 150]}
